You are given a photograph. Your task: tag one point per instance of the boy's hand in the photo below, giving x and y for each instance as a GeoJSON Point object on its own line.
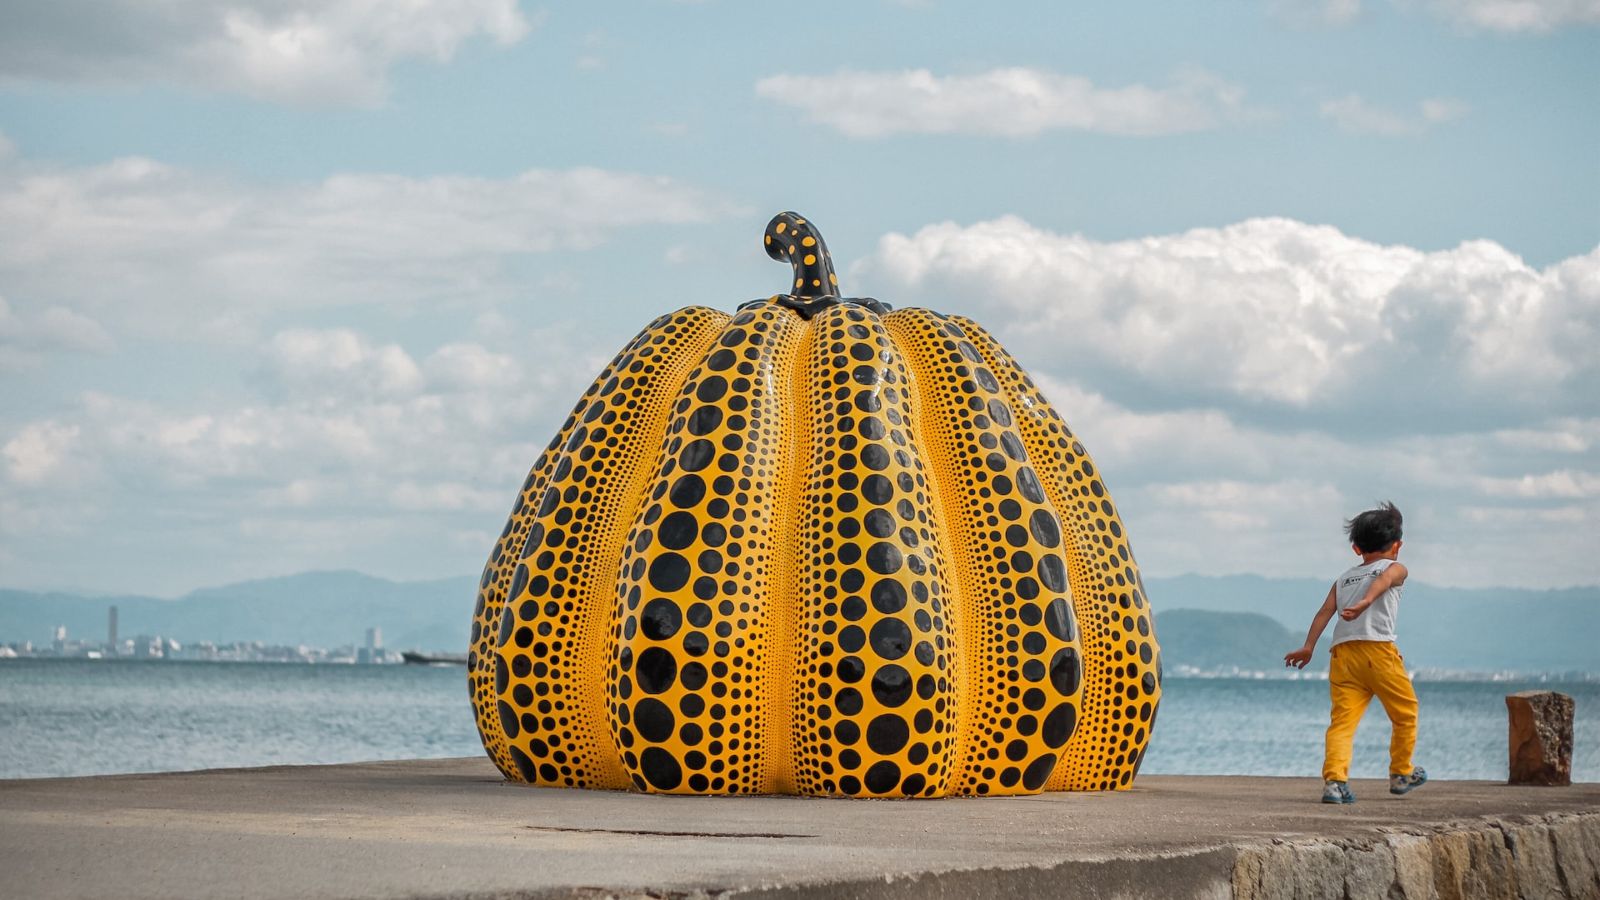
{"type": "Point", "coordinates": [1350, 612]}
{"type": "Point", "coordinates": [1298, 658]}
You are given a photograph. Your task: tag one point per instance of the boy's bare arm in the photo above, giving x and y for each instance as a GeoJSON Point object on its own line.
{"type": "Point", "coordinates": [1393, 576]}
{"type": "Point", "coordinates": [1300, 658]}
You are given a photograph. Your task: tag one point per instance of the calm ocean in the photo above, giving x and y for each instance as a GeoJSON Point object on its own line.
{"type": "Point", "coordinates": [82, 717]}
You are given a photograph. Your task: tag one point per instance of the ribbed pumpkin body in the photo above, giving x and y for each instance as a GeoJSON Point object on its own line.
{"type": "Point", "coordinates": [852, 554]}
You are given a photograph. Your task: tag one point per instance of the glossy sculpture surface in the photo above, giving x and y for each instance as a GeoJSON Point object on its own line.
{"type": "Point", "coordinates": [814, 547]}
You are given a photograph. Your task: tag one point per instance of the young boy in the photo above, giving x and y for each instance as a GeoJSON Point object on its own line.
{"type": "Point", "coordinates": [1365, 662]}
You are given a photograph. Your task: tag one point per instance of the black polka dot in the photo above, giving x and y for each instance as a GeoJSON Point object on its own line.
{"type": "Point", "coordinates": [853, 608]}
{"type": "Point", "coordinates": [1033, 778]}
{"type": "Point", "coordinates": [714, 533]}
{"type": "Point", "coordinates": [653, 720]}
{"type": "Point", "coordinates": [879, 523]}
{"type": "Point", "coordinates": [1013, 446]}
{"type": "Point", "coordinates": [885, 559]}
{"type": "Point", "coordinates": [1017, 536]}
{"type": "Point", "coordinates": [848, 701]}
{"type": "Point", "coordinates": [1028, 483]}
{"type": "Point", "coordinates": [1045, 528]}
{"type": "Point", "coordinates": [1053, 572]}
{"type": "Point", "coordinates": [697, 455]}
{"type": "Point", "coordinates": [712, 389]}
{"type": "Point", "coordinates": [877, 489]}
{"type": "Point", "coordinates": [891, 685]}
{"type": "Point", "coordinates": [1065, 671]}
{"type": "Point", "coordinates": [524, 765]}
{"type": "Point", "coordinates": [874, 457]}
{"type": "Point", "coordinates": [668, 572]}
{"type": "Point", "coordinates": [887, 733]}
{"type": "Point", "coordinates": [888, 596]}
{"type": "Point", "coordinates": [1059, 725]}
{"type": "Point", "coordinates": [705, 420]}
{"type": "Point", "coordinates": [847, 732]}
{"type": "Point", "coordinates": [678, 530]}
{"type": "Point", "coordinates": [1058, 619]}
{"type": "Point", "coordinates": [660, 768]}
{"type": "Point", "coordinates": [687, 491]}
{"type": "Point", "coordinates": [656, 669]}
{"type": "Point", "coordinates": [852, 670]}
{"type": "Point", "coordinates": [891, 639]}
{"type": "Point", "coordinates": [882, 777]}
{"type": "Point", "coordinates": [660, 619]}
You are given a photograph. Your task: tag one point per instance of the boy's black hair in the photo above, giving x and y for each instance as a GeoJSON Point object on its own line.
{"type": "Point", "coordinates": [1375, 529]}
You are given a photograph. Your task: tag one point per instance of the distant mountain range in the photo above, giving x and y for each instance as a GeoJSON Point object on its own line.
{"type": "Point", "coordinates": [1478, 629]}
{"type": "Point", "coordinates": [1202, 621]}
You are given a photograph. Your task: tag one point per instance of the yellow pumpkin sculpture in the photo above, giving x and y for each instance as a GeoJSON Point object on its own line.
{"type": "Point", "coordinates": [814, 547]}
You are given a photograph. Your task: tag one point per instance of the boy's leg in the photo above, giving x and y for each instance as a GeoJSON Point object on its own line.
{"type": "Point", "coordinates": [1399, 700]}
{"type": "Point", "coordinates": [1350, 697]}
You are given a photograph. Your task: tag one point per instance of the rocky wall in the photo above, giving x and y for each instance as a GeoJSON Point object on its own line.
{"type": "Point", "coordinates": [1556, 857]}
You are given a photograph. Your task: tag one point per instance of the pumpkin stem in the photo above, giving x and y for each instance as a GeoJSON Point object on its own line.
{"type": "Point", "coordinates": [791, 238]}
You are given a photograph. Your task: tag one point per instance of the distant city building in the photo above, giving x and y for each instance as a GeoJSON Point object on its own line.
{"type": "Point", "coordinates": [111, 631]}
{"type": "Point", "coordinates": [373, 651]}
{"type": "Point", "coordinates": [60, 641]}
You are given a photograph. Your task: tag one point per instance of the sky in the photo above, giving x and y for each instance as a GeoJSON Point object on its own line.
{"type": "Point", "coordinates": [307, 284]}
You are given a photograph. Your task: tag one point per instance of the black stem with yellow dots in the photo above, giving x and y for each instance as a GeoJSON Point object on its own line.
{"type": "Point", "coordinates": [791, 238]}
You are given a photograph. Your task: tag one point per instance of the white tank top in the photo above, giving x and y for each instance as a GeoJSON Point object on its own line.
{"type": "Point", "coordinates": [1377, 623]}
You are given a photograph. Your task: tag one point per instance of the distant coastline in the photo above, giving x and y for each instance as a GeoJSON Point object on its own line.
{"type": "Point", "coordinates": [342, 656]}
{"type": "Point", "coordinates": [1225, 626]}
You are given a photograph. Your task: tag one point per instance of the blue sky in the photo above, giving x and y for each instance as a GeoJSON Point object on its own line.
{"type": "Point", "coordinates": [290, 285]}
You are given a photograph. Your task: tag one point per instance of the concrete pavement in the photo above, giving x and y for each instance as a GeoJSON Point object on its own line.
{"type": "Point", "coordinates": [454, 828]}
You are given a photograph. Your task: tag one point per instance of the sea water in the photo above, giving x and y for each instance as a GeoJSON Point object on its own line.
{"type": "Point", "coordinates": [90, 717]}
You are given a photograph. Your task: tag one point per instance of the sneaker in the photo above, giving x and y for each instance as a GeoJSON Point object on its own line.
{"type": "Point", "coordinates": [1403, 784]}
{"type": "Point", "coordinates": [1337, 792]}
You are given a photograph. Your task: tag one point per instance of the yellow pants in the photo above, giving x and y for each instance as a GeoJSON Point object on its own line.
{"type": "Point", "coordinates": [1359, 671]}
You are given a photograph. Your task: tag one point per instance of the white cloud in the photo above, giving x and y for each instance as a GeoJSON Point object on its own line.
{"type": "Point", "coordinates": [342, 362]}
{"type": "Point", "coordinates": [1355, 115]}
{"type": "Point", "coordinates": [38, 450]}
{"type": "Point", "coordinates": [1534, 16]}
{"type": "Point", "coordinates": [26, 340]}
{"type": "Point", "coordinates": [1274, 314]}
{"type": "Point", "coordinates": [1564, 483]}
{"type": "Point", "coordinates": [1011, 102]}
{"type": "Point", "coordinates": [1203, 491]}
{"type": "Point", "coordinates": [308, 52]}
{"type": "Point", "coordinates": [1507, 16]}
{"type": "Point", "coordinates": [1315, 12]}
{"type": "Point", "coordinates": [355, 454]}
{"type": "Point", "coordinates": [170, 250]}
{"type": "Point", "coordinates": [468, 367]}
{"type": "Point", "coordinates": [1563, 436]}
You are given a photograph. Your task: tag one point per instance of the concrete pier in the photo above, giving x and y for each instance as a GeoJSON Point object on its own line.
{"type": "Point", "coordinates": [453, 828]}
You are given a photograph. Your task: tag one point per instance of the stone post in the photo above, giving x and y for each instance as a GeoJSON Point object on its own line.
{"type": "Point", "coordinates": [1541, 737]}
